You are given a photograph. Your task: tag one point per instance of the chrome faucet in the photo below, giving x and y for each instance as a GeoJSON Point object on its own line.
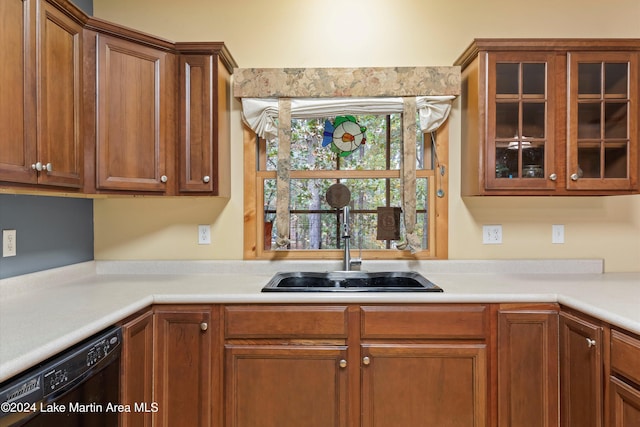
{"type": "Point", "coordinates": [348, 263]}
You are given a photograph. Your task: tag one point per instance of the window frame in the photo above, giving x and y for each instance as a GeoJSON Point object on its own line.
{"type": "Point", "coordinates": [253, 246]}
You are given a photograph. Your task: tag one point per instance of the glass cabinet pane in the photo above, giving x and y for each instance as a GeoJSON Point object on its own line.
{"type": "Point", "coordinates": [615, 79]}
{"type": "Point", "coordinates": [507, 154]}
{"type": "Point", "coordinates": [589, 78]}
{"type": "Point", "coordinates": [615, 120]}
{"type": "Point", "coordinates": [589, 120]}
{"type": "Point", "coordinates": [507, 78]}
{"type": "Point", "coordinates": [507, 119]}
{"type": "Point", "coordinates": [615, 160]}
{"type": "Point", "coordinates": [589, 160]}
{"type": "Point", "coordinates": [533, 115]}
{"type": "Point", "coordinates": [534, 78]}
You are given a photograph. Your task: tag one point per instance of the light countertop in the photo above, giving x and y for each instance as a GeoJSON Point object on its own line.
{"type": "Point", "coordinates": [43, 313]}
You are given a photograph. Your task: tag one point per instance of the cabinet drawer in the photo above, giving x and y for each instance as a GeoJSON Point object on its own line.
{"type": "Point", "coordinates": [625, 354]}
{"type": "Point", "coordinates": [284, 321]}
{"type": "Point", "coordinates": [437, 321]}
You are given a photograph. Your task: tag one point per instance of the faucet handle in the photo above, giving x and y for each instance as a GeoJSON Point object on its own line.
{"type": "Point", "coordinates": [355, 264]}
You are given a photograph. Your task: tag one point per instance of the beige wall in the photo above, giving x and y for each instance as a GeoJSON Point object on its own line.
{"type": "Point", "coordinates": [353, 33]}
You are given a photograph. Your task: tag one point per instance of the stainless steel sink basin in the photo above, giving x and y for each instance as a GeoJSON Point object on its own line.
{"type": "Point", "coordinates": [350, 281]}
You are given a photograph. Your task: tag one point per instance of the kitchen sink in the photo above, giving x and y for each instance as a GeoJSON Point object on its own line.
{"type": "Point", "coordinates": [350, 281]}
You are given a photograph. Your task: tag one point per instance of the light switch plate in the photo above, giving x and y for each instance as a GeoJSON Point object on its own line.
{"type": "Point", "coordinates": [557, 233]}
{"type": "Point", "coordinates": [8, 243]}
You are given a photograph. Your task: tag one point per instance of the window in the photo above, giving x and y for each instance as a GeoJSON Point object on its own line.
{"type": "Point", "coordinates": [373, 175]}
{"type": "Point", "coordinates": [380, 96]}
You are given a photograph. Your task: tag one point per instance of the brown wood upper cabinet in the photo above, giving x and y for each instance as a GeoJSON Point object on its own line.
{"type": "Point", "coordinates": [90, 106]}
{"type": "Point", "coordinates": [204, 107]}
{"type": "Point", "coordinates": [134, 116]}
{"type": "Point", "coordinates": [40, 103]}
{"type": "Point", "coordinates": [550, 116]}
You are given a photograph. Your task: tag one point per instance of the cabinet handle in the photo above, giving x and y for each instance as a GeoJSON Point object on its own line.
{"type": "Point", "coordinates": [41, 167]}
{"type": "Point", "coordinates": [366, 361]}
{"type": "Point", "coordinates": [590, 342]}
{"type": "Point", "coordinates": [204, 326]}
{"type": "Point", "coordinates": [206, 179]}
{"type": "Point", "coordinates": [164, 178]}
{"type": "Point", "coordinates": [574, 177]}
{"type": "Point", "coordinates": [343, 363]}
{"type": "Point", "coordinates": [553, 177]}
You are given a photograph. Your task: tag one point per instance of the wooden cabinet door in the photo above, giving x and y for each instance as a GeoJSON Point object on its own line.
{"type": "Point", "coordinates": [581, 372]}
{"type": "Point", "coordinates": [133, 130]}
{"type": "Point", "coordinates": [137, 370]}
{"type": "Point", "coordinates": [60, 147]}
{"type": "Point", "coordinates": [17, 96]}
{"type": "Point", "coordinates": [204, 122]}
{"type": "Point", "coordinates": [528, 368]}
{"type": "Point", "coordinates": [625, 404]}
{"type": "Point", "coordinates": [424, 384]}
{"type": "Point", "coordinates": [520, 128]}
{"type": "Point", "coordinates": [286, 385]}
{"type": "Point", "coordinates": [197, 133]}
{"type": "Point", "coordinates": [603, 121]}
{"type": "Point", "coordinates": [183, 365]}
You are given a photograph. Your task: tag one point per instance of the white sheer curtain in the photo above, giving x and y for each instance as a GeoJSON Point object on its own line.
{"type": "Point", "coordinates": [260, 115]}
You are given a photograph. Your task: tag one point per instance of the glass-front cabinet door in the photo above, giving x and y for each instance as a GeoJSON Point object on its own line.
{"type": "Point", "coordinates": [603, 121]}
{"type": "Point", "coordinates": [520, 121]}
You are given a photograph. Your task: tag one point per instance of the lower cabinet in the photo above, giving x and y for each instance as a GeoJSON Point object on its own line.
{"type": "Point", "coordinates": [286, 385]}
{"type": "Point", "coordinates": [340, 366]}
{"type": "Point", "coordinates": [168, 367]}
{"type": "Point", "coordinates": [582, 371]}
{"type": "Point", "coordinates": [378, 365]}
{"type": "Point", "coordinates": [137, 370]}
{"type": "Point", "coordinates": [528, 367]}
{"type": "Point", "coordinates": [406, 384]}
{"type": "Point", "coordinates": [624, 381]}
{"type": "Point", "coordinates": [286, 366]}
{"type": "Point", "coordinates": [183, 371]}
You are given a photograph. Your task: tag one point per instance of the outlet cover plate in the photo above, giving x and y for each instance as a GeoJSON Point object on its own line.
{"type": "Point", "coordinates": [492, 234]}
{"type": "Point", "coordinates": [204, 234]}
{"type": "Point", "coordinates": [8, 243]}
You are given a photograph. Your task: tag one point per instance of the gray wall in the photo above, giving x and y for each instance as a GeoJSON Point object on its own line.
{"type": "Point", "coordinates": [50, 232]}
{"type": "Point", "coordinates": [85, 5]}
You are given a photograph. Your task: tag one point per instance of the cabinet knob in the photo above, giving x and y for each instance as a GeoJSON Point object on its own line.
{"type": "Point", "coordinates": [164, 178]}
{"type": "Point", "coordinates": [206, 179]}
{"type": "Point", "coordinates": [574, 177]}
{"type": "Point", "coordinates": [47, 168]}
{"type": "Point", "coordinates": [590, 342]}
{"type": "Point", "coordinates": [204, 326]}
{"type": "Point", "coordinates": [343, 363]}
{"type": "Point", "coordinates": [553, 177]}
{"type": "Point", "coordinates": [37, 166]}
{"type": "Point", "coordinates": [366, 361]}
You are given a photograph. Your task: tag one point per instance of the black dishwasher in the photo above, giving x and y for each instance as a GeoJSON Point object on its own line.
{"type": "Point", "coordinates": [78, 387]}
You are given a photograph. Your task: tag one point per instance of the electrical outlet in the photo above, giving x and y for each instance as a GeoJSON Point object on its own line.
{"type": "Point", "coordinates": [204, 234]}
{"type": "Point", "coordinates": [8, 243]}
{"type": "Point", "coordinates": [557, 233]}
{"type": "Point", "coordinates": [492, 234]}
